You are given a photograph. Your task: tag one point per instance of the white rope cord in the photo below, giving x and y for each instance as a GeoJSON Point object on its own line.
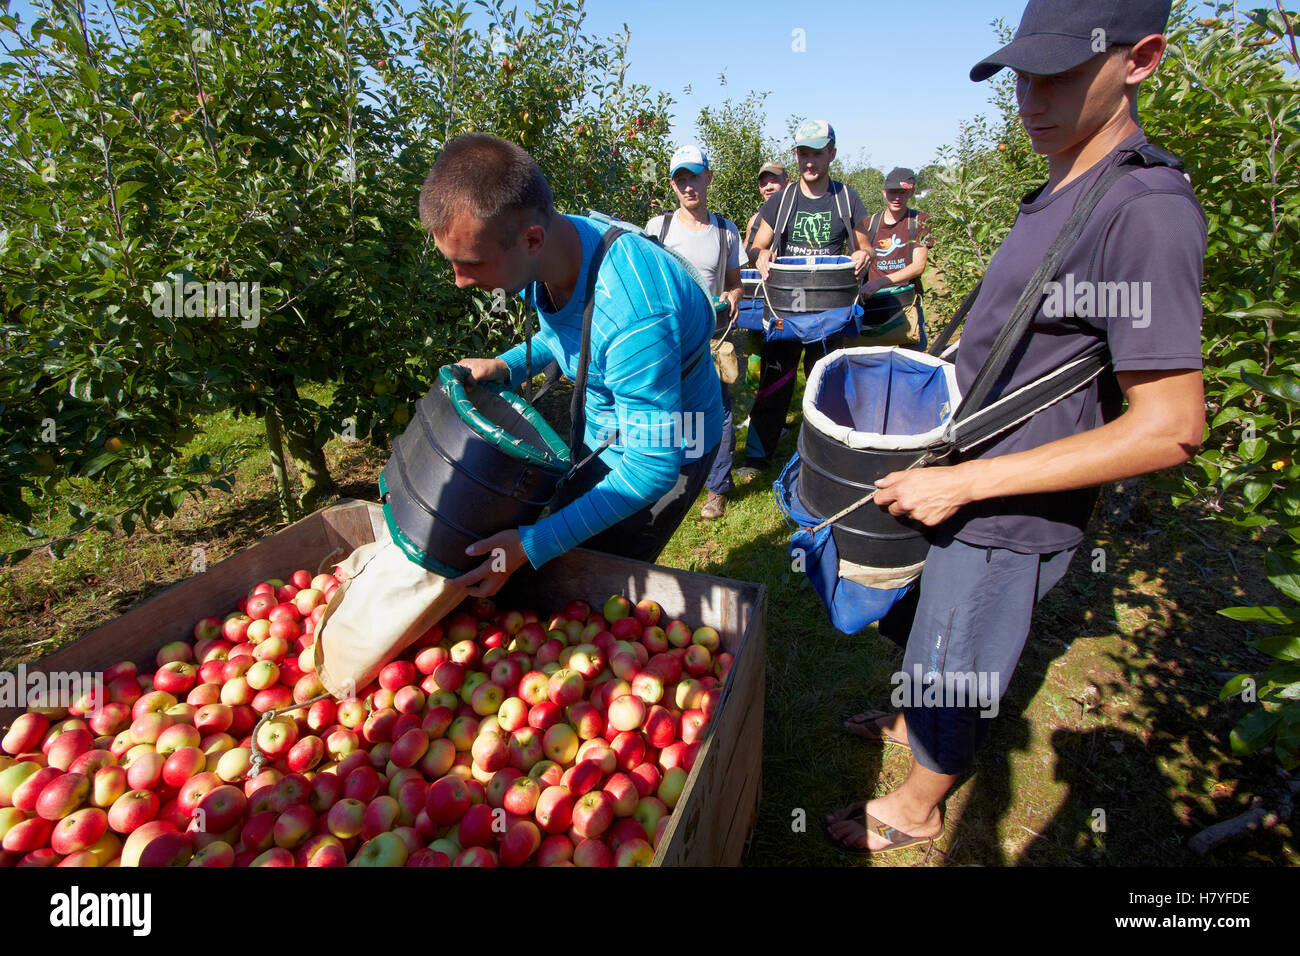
{"type": "Point", "coordinates": [259, 758]}
{"type": "Point", "coordinates": [839, 515]}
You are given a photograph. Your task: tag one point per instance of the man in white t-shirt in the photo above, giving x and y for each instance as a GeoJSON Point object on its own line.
{"type": "Point", "coordinates": [711, 243]}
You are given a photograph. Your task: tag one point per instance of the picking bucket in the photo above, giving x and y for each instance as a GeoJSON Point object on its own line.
{"type": "Point", "coordinates": [868, 412]}
{"type": "Point", "coordinates": [799, 285]}
{"type": "Point", "coordinates": [473, 461]}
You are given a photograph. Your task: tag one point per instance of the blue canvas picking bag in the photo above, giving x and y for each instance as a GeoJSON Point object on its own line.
{"type": "Point", "coordinates": [850, 606]}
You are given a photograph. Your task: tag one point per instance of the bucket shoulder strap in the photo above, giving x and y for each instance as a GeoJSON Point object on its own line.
{"type": "Point", "coordinates": [784, 210]}
{"type": "Point", "coordinates": [664, 225]}
{"type": "Point", "coordinates": [844, 206]}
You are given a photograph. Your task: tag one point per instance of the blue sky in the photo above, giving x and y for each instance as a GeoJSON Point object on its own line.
{"type": "Point", "coordinates": [892, 78]}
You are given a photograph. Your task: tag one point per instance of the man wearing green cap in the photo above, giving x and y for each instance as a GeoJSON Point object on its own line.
{"type": "Point", "coordinates": [816, 216]}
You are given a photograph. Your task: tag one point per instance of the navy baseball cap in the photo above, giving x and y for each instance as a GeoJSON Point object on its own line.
{"type": "Point", "coordinates": [1058, 35]}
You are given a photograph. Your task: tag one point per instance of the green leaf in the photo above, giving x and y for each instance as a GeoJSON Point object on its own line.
{"type": "Point", "coordinates": [1282, 646]}
{"type": "Point", "coordinates": [1233, 687]}
{"type": "Point", "coordinates": [100, 462]}
{"type": "Point", "coordinates": [1263, 615]}
{"type": "Point", "coordinates": [1253, 731]}
{"type": "Point", "coordinates": [1284, 573]}
{"type": "Point", "coordinates": [1284, 387]}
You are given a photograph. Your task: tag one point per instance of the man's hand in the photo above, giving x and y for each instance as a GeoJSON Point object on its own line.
{"type": "Point", "coordinates": [860, 262]}
{"type": "Point", "coordinates": [764, 263]}
{"type": "Point", "coordinates": [734, 311]}
{"type": "Point", "coordinates": [486, 369]}
{"type": "Point", "coordinates": [505, 556]}
{"type": "Point", "coordinates": [928, 495]}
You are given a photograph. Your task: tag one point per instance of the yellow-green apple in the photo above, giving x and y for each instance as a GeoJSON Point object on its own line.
{"type": "Point", "coordinates": [689, 693]}
{"type": "Point", "coordinates": [671, 787]}
{"type": "Point", "coordinates": [708, 638]}
{"type": "Point", "coordinates": [438, 759]}
{"type": "Point", "coordinates": [554, 811]}
{"type": "Point", "coordinates": [78, 830]}
{"type": "Point", "coordinates": [262, 675]}
{"type": "Point", "coordinates": [79, 860]}
{"type": "Point", "coordinates": [560, 743]}
{"type": "Point", "coordinates": [513, 714]}
{"type": "Point", "coordinates": [234, 764]}
{"type": "Point", "coordinates": [486, 698]}
{"type": "Point", "coordinates": [107, 848]}
{"type": "Point", "coordinates": [236, 691]}
{"type": "Point", "coordinates": [107, 785]}
{"type": "Point", "coordinates": [448, 799]}
{"type": "Point", "coordinates": [466, 652]}
{"type": "Point", "coordinates": [616, 607]}
{"type": "Point", "coordinates": [182, 713]}
{"type": "Point", "coordinates": [649, 811]}
{"type": "Point", "coordinates": [385, 849]}
{"type": "Point", "coordinates": [597, 749]}
{"type": "Point", "coordinates": [307, 600]}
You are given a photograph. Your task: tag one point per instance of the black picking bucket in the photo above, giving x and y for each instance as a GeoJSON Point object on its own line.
{"type": "Point", "coordinates": [472, 462]}
{"type": "Point", "coordinates": [857, 404]}
{"type": "Point", "coordinates": [803, 285]}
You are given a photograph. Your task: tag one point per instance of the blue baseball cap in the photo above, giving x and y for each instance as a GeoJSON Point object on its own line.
{"type": "Point", "coordinates": [814, 134]}
{"type": "Point", "coordinates": [689, 157]}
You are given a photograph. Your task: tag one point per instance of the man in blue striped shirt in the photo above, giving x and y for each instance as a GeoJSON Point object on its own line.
{"type": "Point", "coordinates": [490, 211]}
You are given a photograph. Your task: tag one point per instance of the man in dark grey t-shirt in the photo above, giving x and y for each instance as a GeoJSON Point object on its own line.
{"type": "Point", "coordinates": [1008, 518]}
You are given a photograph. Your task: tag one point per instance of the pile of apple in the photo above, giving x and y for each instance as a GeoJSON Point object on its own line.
{"type": "Point", "coordinates": [498, 738]}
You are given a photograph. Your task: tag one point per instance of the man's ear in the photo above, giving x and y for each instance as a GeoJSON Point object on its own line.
{"type": "Point", "coordinates": [534, 237]}
{"type": "Point", "coordinates": [1144, 58]}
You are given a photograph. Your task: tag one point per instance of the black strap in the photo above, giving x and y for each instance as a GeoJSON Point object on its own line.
{"type": "Point", "coordinates": [667, 221]}
{"type": "Point", "coordinates": [1030, 299]}
{"type": "Point", "coordinates": [578, 404]}
{"type": "Point", "coordinates": [840, 191]}
{"type": "Point", "coordinates": [720, 277]}
{"type": "Point", "coordinates": [784, 212]}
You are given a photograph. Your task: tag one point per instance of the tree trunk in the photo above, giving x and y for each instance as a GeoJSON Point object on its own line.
{"type": "Point", "coordinates": [288, 508]}
{"type": "Point", "coordinates": [313, 471]}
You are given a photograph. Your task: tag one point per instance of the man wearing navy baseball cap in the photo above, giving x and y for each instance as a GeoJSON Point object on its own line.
{"type": "Point", "coordinates": [1006, 517]}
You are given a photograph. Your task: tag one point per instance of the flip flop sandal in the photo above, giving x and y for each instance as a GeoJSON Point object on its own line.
{"type": "Point", "coordinates": [863, 725]}
{"type": "Point", "coordinates": [898, 839]}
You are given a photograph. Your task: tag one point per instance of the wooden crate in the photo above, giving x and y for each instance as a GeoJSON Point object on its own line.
{"type": "Point", "coordinates": [720, 802]}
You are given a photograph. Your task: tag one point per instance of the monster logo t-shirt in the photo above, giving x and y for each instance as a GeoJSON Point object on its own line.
{"type": "Point", "coordinates": [816, 227]}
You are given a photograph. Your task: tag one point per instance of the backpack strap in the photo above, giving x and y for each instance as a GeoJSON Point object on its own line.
{"type": "Point", "coordinates": [720, 277]}
{"type": "Point", "coordinates": [873, 227]}
{"type": "Point", "coordinates": [845, 208]}
{"type": "Point", "coordinates": [784, 210]}
{"type": "Point", "coordinates": [667, 221]}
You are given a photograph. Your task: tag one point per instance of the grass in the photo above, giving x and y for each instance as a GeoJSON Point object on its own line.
{"type": "Point", "coordinates": [1112, 718]}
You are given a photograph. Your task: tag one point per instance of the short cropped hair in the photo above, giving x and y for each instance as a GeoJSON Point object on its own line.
{"type": "Point", "coordinates": [493, 180]}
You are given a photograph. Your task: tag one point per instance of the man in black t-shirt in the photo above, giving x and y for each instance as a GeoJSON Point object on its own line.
{"type": "Point", "coordinates": [815, 216]}
{"type": "Point", "coordinates": [1008, 516]}
{"type": "Point", "coordinates": [772, 178]}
